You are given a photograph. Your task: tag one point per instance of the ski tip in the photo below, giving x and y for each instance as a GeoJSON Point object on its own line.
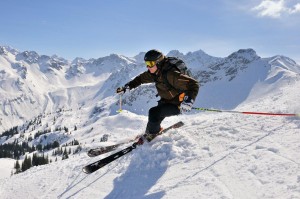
{"type": "Point", "coordinates": [179, 124]}
{"type": "Point", "coordinates": [91, 154]}
{"type": "Point", "coordinates": [85, 170]}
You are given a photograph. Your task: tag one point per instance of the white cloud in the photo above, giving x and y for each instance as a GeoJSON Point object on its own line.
{"type": "Point", "coordinates": [275, 8]}
{"type": "Point", "coordinates": [296, 9]}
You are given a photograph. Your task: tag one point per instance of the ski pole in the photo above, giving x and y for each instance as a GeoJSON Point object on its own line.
{"type": "Point", "coordinates": [120, 102]}
{"type": "Point", "coordinates": [246, 112]}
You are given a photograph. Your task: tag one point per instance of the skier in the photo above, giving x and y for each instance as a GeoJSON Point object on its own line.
{"type": "Point", "coordinates": [177, 91]}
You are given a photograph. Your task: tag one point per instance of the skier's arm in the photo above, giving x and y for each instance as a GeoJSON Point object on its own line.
{"type": "Point", "coordinates": [187, 84]}
{"type": "Point", "coordinates": [140, 79]}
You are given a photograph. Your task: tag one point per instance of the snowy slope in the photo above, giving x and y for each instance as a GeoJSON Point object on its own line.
{"type": "Point", "coordinates": [215, 155]}
{"type": "Point", "coordinates": [212, 156]}
{"type": "Point", "coordinates": [6, 166]}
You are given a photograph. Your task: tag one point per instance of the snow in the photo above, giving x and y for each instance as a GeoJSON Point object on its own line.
{"type": "Point", "coordinates": [6, 166]}
{"type": "Point", "coordinates": [214, 155]}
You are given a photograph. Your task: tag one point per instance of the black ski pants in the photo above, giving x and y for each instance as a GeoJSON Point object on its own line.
{"type": "Point", "coordinates": [158, 113]}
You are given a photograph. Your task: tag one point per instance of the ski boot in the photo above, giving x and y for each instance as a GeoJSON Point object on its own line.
{"type": "Point", "coordinates": [150, 136]}
{"type": "Point", "coordinates": [140, 141]}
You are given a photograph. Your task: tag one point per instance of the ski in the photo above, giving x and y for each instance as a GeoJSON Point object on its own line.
{"type": "Point", "coordinates": [105, 149]}
{"type": "Point", "coordinates": [90, 168]}
{"type": "Point", "coordinates": [101, 150]}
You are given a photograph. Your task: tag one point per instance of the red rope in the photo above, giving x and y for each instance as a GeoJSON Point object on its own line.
{"type": "Point", "coordinates": [271, 114]}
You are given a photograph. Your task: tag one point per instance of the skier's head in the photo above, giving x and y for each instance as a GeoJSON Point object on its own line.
{"type": "Point", "coordinates": [153, 57]}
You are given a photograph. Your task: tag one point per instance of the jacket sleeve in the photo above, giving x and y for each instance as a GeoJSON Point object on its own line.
{"type": "Point", "coordinates": [187, 84]}
{"type": "Point", "coordinates": [143, 78]}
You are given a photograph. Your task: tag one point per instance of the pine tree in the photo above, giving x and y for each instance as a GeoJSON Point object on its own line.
{"type": "Point", "coordinates": [34, 160]}
{"type": "Point", "coordinates": [29, 162]}
{"type": "Point", "coordinates": [17, 166]}
{"type": "Point", "coordinates": [66, 129]}
{"type": "Point", "coordinates": [65, 154]}
{"type": "Point", "coordinates": [43, 159]}
{"type": "Point", "coordinates": [23, 165]}
{"type": "Point", "coordinates": [39, 147]}
{"type": "Point", "coordinates": [47, 159]}
{"type": "Point", "coordinates": [76, 142]}
{"type": "Point", "coordinates": [55, 144]}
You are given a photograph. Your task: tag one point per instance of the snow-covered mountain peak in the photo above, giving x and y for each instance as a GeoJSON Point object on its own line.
{"type": "Point", "coordinates": [140, 57]}
{"type": "Point", "coordinates": [284, 62]}
{"type": "Point", "coordinates": [235, 62]}
{"type": "Point", "coordinates": [112, 58]}
{"type": "Point", "coordinates": [4, 50]}
{"type": "Point", "coordinates": [175, 53]}
{"type": "Point", "coordinates": [78, 60]}
{"type": "Point", "coordinates": [198, 53]}
{"type": "Point", "coordinates": [58, 62]}
{"type": "Point", "coordinates": [244, 55]}
{"type": "Point", "coordinates": [48, 64]}
{"type": "Point", "coordinates": [28, 56]}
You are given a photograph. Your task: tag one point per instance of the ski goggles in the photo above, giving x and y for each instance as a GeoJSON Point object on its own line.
{"type": "Point", "coordinates": [150, 64]}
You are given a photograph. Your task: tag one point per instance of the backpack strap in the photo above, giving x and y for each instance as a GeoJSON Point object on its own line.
{"type": "Point", "coordinates": [165, 79]}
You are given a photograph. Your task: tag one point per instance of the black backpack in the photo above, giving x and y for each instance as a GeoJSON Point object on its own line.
{"type": "Point", "coordinates": [179, 65]}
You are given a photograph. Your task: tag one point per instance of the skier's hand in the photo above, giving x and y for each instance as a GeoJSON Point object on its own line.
{"type": "Point", "coordinates": [187, 104]}
{"type": "Point", "coordinates": [122, 90]}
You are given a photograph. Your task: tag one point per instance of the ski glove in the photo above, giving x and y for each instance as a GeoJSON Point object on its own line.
{"type": "Point", "coordinates": [187, 104]}
{"type": "Point", "coordinates": [122, 90]}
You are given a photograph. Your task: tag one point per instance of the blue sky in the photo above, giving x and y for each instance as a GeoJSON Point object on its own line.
{"type": "Point", "coordinates": [96, 28]}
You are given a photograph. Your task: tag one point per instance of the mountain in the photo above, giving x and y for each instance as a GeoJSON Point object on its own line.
{"type": "Point", "coordinates": [215, 155]}
{"type": "Point", "coordinates": [33, 84]}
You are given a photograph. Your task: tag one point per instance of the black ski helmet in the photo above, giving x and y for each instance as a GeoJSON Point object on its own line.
{"type": "Point", "coordinates": [154, 55]}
